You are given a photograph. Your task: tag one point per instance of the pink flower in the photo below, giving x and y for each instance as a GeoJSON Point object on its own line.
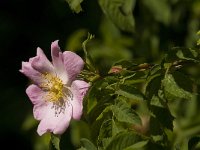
{"type": "Point", "coordinates": [56, 94]}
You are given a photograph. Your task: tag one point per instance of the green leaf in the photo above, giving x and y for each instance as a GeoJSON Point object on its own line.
{"type": "Point", "coordinates": [75, 5]}
{"type": "Point", "coordinates": [160, 10]}
{"type": "Point", "coordinates": [137, 146]}
{"type": "Point", "coordinates": [124, 113]}
{"type": "Point", "coordinates": [106, 110]}
{"type": "Point", "coordinates": [96, 93]}
{"type": "Point", "coordinates": [75, 39]}
{"type": "Point", "coordinates": [187, 56]}
{"type": "Point", "coordinates": [163, 117]}
{"type": "Point", "coordinates": [198, 42]}
{"type": "Point", "coordinates": [172, 91]}
{"type": "Point", "coordinates": [179, 53]}
{"type": "Point", "coordinates": [194, 143]}
{"type": "Point", "coordinates": [156, 101]}
{"type": "Point", "coordinates": [130, 78]}
{"type": "Point", "coordinates": [120, 12]}
{"type": "Point", "coordinates": [98, 109]}
{"type": "Point", "coordinates": [153, 86]}
{"type": "Point", "coordinates": [54, 142]}
{"type": "Point", "coordinates": [87, 145]}
{"type": "Point", "coordinates": [78, 130]}
{"type": "Point", "coordinates": [29, 122]}
{"type": "Point", "coordinates": [154, 126]}
{"type": "Point", "coordinates": [125, 64]}
{"type": "Point", "coordinates": [123, 140]}
{"type": "Point", "coordinates": [109, 128]}
{"type": "Point", "coordinates": [187, 85]}
{"type": "Point", "coordinates": [88, 58]}
{"type": "Point", "coordinates": [107, 131]}
{"type": "Point", "coordinates": [130, 92]}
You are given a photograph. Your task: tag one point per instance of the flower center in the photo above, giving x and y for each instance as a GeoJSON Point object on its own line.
{"type": "Point", "coordinates": [54, 87]}
{"type": "Point", "coordinates": [57, 92]}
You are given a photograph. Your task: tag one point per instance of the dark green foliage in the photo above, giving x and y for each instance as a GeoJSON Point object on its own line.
{"type": "Point", "coordinates": [114, 101]}
{"type": "Point", "coordinates": [120, 12]}
{"type": "Point", "coordinates": [87, 145]}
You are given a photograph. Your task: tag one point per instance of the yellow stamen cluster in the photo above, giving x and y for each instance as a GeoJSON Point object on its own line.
{"type": "Point", "coordinates": [54, 87]}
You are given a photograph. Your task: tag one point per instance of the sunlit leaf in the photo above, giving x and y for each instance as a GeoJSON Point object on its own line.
{"type": "Point", "coordinates": [75, 5]}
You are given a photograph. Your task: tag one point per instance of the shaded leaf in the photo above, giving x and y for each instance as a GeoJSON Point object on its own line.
{"type": "Point", "coordinates": [153, 85]}
{"type": "Point", "coordinates": [125, 64]}
{"type": "Point", "coordinates": [179, 53]}
{"type": "Point", "coordinates": [75, 39]}
{"type": "Point", "coordinates": [130, 92]}
{"type": "Point", "coordinates": [124, 113]}
{"type": "Point", "coordinates": [160, 10]}
{"type": "Point", "coordinates": [163, 116]}
{"type": "Point", "coordinates": [98, 109]}
{"type": "Point", "coordinates": [107, 131]}
{"type": "Point", "coordinates": [120, 12]}
{"type": "Point", "coordinates": [79, 130]}
{"type": "Point", "coordinates": [54, 142]}
{"type": "Point", "coordinates": [87, 145]}
{"type": "Point", "coordinates": [106, 110]}
{"type": "Point", "coordinates": [109, 128]}
{"type": "Point", "coordinates": [172, 91]}
{"type": "Point", "coordinates": [97, 96]}
{"type": "Point", "coordinates": [123, 140]}
{"type": "Point", "coordinates": [88, 58]}
{"type": "Point", "coordinates": [137, 146]}
{"type": "Point", "coordinates": [194, 143]}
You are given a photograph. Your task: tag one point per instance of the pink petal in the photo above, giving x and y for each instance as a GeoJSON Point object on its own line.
{"type": "Point", "coordinates": [36, 96]}
{"type": "Point", "coordinates": [73, 65]}
{"type": "Point", "coordinates": [57, 59]}
{"type": "Point", "coordinates": [31, 73]}
{"type": "Point", "coordinates": [79, 89]}
{"type": "Point", "coordinates": [41, 63]}
{"type": "Point", "coordinates": [56, 124]}
{"type": "Point", "coordinates": [40, 110]}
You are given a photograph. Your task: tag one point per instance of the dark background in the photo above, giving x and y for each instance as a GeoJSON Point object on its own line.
{"type": "Point", "coordinates": [28, 24]}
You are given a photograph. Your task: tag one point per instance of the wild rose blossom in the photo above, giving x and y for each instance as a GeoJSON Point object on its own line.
{"type": "Point", "coordinates": [56, 94]}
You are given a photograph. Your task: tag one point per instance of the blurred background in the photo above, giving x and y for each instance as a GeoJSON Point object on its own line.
{"type": "Point", "coordinates": [26, 25]}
